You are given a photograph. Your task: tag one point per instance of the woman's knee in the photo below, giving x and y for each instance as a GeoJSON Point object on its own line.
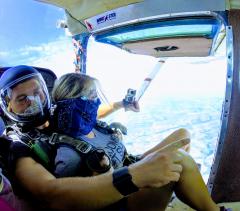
{"type": "Point", "coordinates": [182, 132]}
{"type": "Point", "coordinates": [187, 161]}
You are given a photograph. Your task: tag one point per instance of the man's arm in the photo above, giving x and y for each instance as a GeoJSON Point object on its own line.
{"type": "Point", "coordinates": [89, 193]}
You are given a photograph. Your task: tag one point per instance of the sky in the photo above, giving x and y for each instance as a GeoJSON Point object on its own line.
{"type": "Point", "coordinates": [29, 36]}
{"type": "Point", "coordinates": [27, 23]}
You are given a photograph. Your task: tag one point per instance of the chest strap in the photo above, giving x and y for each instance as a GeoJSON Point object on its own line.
{"type": "Point", "coordinates": [93, 156]}
{"type": "Point", "coordinates": [78, 144]}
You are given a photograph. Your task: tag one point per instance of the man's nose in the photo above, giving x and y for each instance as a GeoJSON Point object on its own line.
{"type": "Point", "coordinates": [30, 99]}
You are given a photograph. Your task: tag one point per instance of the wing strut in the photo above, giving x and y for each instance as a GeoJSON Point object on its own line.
{"type": "Point", "coordinates": [149, 78]}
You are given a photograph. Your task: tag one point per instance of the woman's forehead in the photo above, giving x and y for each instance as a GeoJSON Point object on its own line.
{"type": "Point", "coordinates": [90, 85]}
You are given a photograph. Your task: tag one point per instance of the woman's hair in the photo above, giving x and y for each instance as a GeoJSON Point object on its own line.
{"type": "Point", "coordinates": [72, 85]}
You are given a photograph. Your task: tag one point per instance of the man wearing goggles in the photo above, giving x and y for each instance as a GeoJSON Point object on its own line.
{"type": "Point", "coordinates": [24, 97]}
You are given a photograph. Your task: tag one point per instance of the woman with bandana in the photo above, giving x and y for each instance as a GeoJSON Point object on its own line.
{"type": "Point", "coordinates": [77, 99]}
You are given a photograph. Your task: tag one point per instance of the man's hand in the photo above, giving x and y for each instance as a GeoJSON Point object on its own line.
{"type": "Point", "coordinates": [160, 167]}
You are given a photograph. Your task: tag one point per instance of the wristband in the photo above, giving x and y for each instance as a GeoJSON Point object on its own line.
{"type": "Point", "coordinates": [122, 181]}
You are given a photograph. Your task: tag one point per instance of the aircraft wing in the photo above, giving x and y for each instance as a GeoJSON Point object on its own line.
{"type": "Point", "coordinates": [82, 9]}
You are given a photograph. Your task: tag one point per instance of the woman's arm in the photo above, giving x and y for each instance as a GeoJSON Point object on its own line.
{"type": "Point", "coordinates": [105, 110]}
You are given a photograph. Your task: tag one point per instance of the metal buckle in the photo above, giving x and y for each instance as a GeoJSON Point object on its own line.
{"type": "Point", "coordinates": [53, 138]}
{"type": "Point", "coordinates": [84, 147]}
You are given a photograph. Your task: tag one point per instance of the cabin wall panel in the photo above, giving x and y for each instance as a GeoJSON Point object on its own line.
{"type": "Point", "coordinates": [226, 184]}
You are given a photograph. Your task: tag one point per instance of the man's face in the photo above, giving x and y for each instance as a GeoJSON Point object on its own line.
{"type": "Point", "coordinates": [20, 100]}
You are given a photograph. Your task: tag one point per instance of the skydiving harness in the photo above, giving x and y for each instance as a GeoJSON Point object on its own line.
{"type": "Point", "coordinates": [79, 145]}
{"type": "Point", "coordinates": [115, 129]}
{"type": "Point", "coordinates": [42, 145]}
{"type": "Point", "coordinates": [36, 141]}
{"type": "Point", "coordinates": [89, 153]}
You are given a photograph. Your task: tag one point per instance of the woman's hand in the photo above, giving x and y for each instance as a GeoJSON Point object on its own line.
{"type": "Point", "coordinates": [134, 106]}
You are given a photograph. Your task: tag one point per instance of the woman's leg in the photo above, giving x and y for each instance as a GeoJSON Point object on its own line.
{"type": "Point", "coordinates": [173, 137]}
{"type": "Point", "coordinates": [190, 188]}
{"type": "Point", "coordinates": [151, 199]}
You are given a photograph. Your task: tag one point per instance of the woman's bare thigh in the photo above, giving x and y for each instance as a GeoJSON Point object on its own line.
{"type": "Point", "coordinates": [151, 199]}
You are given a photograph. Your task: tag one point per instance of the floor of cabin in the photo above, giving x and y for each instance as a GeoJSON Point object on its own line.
{"type": "Point", "coordinates": [177, 205]}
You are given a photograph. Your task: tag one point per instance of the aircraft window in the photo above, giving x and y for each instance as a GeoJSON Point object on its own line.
{"type": "Point", "coordinates": [189, 27]}
{"type": "Point", "coordinates": [169, 31]}
{"type": "Point", "coordinates": [147, 37]}
{"type": "Point", "coordinates": [186, 92]}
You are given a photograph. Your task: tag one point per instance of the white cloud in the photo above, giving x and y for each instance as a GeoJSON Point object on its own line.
{"type": "Point", "coordinates": [4, 53]}
{"type": "Point", "coordinates": [3, 56]}
{"type": "Point", "coordinates": [57, 56]}
{"type": "Point", "coordinates": [33, 48]}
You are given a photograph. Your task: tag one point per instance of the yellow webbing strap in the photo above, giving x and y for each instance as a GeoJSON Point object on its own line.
{"type": "Point", "coordinates": [1, 184]}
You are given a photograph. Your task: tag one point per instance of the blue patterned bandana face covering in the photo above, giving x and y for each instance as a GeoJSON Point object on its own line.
{"type": "Point", "coordinates": [76, 117]}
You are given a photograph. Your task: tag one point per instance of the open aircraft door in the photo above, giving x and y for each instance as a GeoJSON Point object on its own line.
{"type": "Point", "coordinates": [167, 29]}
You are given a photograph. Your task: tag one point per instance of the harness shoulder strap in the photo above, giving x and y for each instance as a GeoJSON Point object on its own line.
{"type": "Point", "coordinates": [78, 144]}
{"type": "Point", "coordinates": [34, 141]}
